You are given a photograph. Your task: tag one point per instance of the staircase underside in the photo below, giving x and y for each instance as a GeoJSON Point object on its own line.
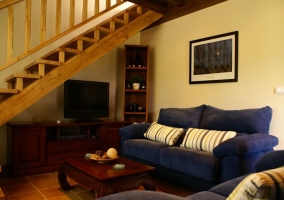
{"type": "Point", "coordinates": [52, 73]}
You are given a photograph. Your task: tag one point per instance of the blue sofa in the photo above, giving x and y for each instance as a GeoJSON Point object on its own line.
{"type": "Point", "coordinates": [270, 160]}
{"type": "Point", "coordinates": [201, 170]}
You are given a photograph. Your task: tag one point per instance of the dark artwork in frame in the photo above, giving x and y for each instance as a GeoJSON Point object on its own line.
{"type": "Point", "coordinates": [214, 59]}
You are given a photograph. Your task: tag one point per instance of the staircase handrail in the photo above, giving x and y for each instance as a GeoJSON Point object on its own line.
{"type": "Point", "coordinates": [10, 4]}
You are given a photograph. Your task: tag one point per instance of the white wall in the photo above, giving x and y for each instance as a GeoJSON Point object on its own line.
{"type": "Point", "coordinates": [261, 59]}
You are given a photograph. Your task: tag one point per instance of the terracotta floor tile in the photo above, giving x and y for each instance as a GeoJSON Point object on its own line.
{"type": "Point", "coordinates": [54, 192]}
{"type": "Point", "coordinates": [27, 196]}
{"type": "Point", "coordinates": [40, 177]}
{"type": "Point", "coordinates": [71, 181]}
{"type": "Point", "coordinates": [77, 188]}
{"type": "Point", "coordinates": [14, 182]}
{"type": "Point", "coordinates": [70, 196]}
{"type": "Point", "coordinates": [87, 195]}
{"type": "Point", "coordinates": [45, 184]}
{"type": "Point", "coordinates": [13, 190]}
{"type": "Point", "coordinates": [54, 174]}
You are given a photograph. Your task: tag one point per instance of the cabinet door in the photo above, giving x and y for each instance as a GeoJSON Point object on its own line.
{"type": "Point", "coordinates": [28, 147]}
{"type": "Point", "coordinates": [111, 138]}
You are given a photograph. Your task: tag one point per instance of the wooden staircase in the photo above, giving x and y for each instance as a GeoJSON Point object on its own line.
{"type": "Point", "coordinates": [51, 70]}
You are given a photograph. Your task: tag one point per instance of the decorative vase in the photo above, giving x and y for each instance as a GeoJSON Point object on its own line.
{"type": "Point", "coordinates": [136, 86]}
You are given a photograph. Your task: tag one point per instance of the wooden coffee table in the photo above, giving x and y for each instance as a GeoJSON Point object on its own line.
{"type": "Point", "coordinates": [102, 177]}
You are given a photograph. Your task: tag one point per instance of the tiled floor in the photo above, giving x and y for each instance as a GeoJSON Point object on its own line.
{"type": "Point", "coordinates": [45, 186]}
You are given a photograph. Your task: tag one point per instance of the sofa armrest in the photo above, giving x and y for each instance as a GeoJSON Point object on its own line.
{"type": "Point", "coordinates": [245, 144]}
{"type": "Point", "coordinates": [135, 131]}
{"type": "Point", "coordinates": [270, 160]}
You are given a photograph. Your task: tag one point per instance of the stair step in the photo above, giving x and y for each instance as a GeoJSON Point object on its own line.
{"type": "Point", "coordinates": [69, 50]}
{"type": "Point", "coordinates": [87, 39]}
{"type": "Point", "coordinates": [106, 30]}
{"type": "Point", "coordinates": [25, 76]}
{"type": "Point", "coordinates": [61, 54]}
{"type": "Point", "coordinates": [133, 13]}
{"type": "Point", "coordinates": [19, 81]}
{"type": "Point", "coordinates": [42, 67]}
{"type": "Point", "coordinates": [8, 91]}
{"type": "Point", "coordinates": [121, 21]}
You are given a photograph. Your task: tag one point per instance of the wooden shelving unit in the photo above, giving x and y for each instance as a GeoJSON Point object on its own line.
{"type": "Point", "coordinates": [136, 63]}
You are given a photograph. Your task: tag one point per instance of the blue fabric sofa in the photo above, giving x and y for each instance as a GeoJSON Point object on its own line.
{"type": "Point", "coordinates": [269, 161]}
{"type": "Point", "coordinates": [200, 170]}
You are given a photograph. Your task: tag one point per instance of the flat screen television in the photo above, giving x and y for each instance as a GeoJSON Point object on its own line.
{"type": "Point", "coordinates": [86, 100]}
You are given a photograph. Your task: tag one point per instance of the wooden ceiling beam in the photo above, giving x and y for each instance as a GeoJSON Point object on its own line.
{"type": "Point", "coordinates": [190, 6]}
{"type": "Point", "coordinates": [177, 2]}
{"type": "Point", "coordinates": [156, 6]}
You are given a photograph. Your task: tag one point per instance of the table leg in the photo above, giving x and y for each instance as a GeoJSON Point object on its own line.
{"type": "Point", "coordinates": [62, 179]}
{"type": "Point", "coordinates": [124, 184]}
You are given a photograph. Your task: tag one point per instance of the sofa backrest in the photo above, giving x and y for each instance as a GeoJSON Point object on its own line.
{"type": "Point", "coordinates": [249, 121]}
{"type": "Point", "coordinates": [241, 121]}
{"type": "Point", "coordinates": [181, 117]}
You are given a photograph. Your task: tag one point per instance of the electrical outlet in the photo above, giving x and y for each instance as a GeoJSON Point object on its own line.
{"type": "Point", "coordinates": [279, 90]}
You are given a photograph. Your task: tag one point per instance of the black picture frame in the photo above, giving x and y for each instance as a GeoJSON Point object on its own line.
{"type": "Point", "coordinates": [214, 59]}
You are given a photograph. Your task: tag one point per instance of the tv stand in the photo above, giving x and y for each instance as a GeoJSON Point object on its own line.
{"type": "Point", "coordinates": [38, 147]}
{"type": "Point", "coordinates": [82, 120]}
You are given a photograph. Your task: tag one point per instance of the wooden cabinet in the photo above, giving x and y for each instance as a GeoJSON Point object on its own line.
{"type": "Point", "coordinates": [29, 147]}
{"type": "Point", "coordinates": [38, 147]}
{"type": "Point", "coordinates": [136, 64]}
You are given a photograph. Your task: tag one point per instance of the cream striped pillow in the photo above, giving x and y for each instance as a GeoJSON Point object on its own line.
{"type": "Point", "coordinates": [266, 185]}
{"type": "Point", "coordinates": [162, 133]}
{"type": "Point", "coordinates": [205, 140]}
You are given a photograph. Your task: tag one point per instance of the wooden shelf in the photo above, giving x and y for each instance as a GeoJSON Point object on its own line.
{"type": "Point", "coordinates": [131, 90]}
{"type": "Point", "coordinates": [136, 55]}
{"type": "Point", "coordinates": [134, 113]}
{"type": "Point", "coordinates": [136, 68]}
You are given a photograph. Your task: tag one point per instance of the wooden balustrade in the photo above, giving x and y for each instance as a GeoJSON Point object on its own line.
{"type": "Point", "coordinates": [47, 34]}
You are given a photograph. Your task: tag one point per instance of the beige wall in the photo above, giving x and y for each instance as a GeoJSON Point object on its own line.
{"type": "Point", "coordinates": [261, 59]}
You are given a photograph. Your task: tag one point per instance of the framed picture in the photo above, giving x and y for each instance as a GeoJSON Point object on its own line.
{"type": "Point", "coordinates": [214, 59]}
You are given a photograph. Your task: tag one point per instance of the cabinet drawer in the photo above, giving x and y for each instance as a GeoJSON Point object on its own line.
{"type": "Point", "coordinates": [55, 159]}
{"type": "Point", "coordinates": [73, 145]}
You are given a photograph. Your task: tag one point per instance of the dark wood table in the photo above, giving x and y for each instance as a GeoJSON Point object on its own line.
{"type": "Point", "coordinates": [103, 178]}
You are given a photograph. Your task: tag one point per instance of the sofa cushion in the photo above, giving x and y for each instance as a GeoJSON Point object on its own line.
{"type": "Point", "coordinates": [143, 149]}
{"type": "Point", "coordinates": [199, 164]}
{"type": "Point", "coordinates": [205, 140]}
{"type": "Point", "coordinates": [262, 185]}
{"type": "Point", "coordinates": [181, 117]}
{"type": "Point", "coordinates": [162, 133]}
{"type": "Point", "coordinates": [241, 121]}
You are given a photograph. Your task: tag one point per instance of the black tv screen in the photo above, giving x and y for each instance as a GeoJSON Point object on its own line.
{"type": "Point", "coordinates": [86, 99]}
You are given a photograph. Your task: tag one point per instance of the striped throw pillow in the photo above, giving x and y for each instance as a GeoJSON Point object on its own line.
{"type": "Point", "coordinates": [268, 185]}
{"type": "Point", "coordinates": [162, 133]}
{"type": "Point", "coordinates": [205, 140]}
